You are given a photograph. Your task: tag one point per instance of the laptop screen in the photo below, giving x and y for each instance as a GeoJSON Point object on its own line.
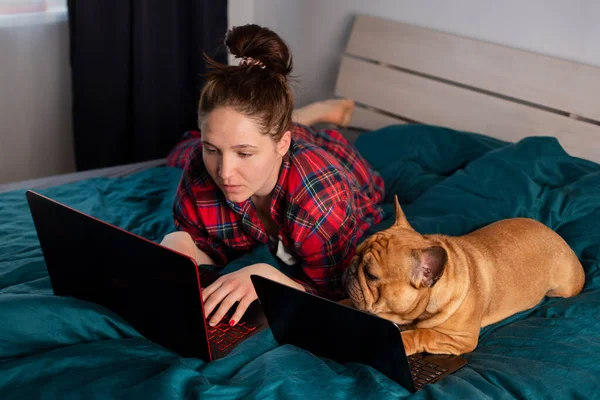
{"type": "Point", "coordinates": [331, 330]}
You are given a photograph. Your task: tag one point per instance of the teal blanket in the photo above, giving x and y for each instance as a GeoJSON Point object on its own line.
{"type": "Point", "coordinates": [448, 182]}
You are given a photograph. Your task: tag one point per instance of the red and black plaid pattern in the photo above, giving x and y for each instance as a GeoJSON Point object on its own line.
{"type": "Point", "coordinates": [325, 198]}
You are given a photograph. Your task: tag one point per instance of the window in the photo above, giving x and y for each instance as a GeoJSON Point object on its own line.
{"type": "Point", "coordinates": [19, 13]}
{"type": "Point", "coordinates": [16, 7]}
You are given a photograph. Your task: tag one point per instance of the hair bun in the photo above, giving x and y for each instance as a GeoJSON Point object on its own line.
{"type": "Point", "coordinates": [262, 45]}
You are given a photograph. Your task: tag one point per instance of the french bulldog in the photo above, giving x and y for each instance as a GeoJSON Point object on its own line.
{"type": "Point", "coordinates": [441, 290]}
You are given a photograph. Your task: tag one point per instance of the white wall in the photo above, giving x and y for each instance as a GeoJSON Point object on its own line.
{"type": "Point", "coordinates": [35, 97]}
{"type": "Point", "coordinates": [317, 30]}
{"type": "Point", "coordinates": [35, 92]}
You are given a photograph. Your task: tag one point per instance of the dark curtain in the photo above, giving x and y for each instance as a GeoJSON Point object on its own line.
{"type": "Point", "coordinates": [137, 73]}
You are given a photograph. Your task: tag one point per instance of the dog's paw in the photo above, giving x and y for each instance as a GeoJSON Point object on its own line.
{"type": "Point", "coordinates": [346, 302]}
{"type": "Point", "coordinates": [408, 342]}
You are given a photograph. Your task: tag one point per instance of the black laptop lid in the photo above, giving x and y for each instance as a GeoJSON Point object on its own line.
{"type": "Point", "coordinates": [331, 330]}
{"type": "Point", "coordinates": [153, 288]}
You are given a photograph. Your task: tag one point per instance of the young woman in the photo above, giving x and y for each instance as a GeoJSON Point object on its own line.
{"type": "Point", "coordinates": [254, 177]}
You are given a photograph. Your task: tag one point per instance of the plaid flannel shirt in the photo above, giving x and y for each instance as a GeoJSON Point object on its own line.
{"type": "Point", "coordinates": [325, 198]}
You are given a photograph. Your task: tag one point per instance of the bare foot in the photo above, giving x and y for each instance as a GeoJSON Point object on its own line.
{"type": "Point", "coordinates": [334, 111]}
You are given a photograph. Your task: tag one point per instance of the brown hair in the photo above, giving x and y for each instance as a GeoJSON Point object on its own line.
{"type": "Point", "coordinates": [258, 89]}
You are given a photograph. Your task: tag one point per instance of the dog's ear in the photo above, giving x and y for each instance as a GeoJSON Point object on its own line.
{"type": "Point", "coordinates": [401, 221]}
{"type": "Point", "coordinates": [428, 266]}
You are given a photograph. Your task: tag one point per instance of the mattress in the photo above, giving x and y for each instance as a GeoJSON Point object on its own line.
{"type": "Point", "coordinates": [56, 180]}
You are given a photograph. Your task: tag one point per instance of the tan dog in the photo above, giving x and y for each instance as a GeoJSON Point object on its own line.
{"type": "Point", "coordinates": [445, 289]}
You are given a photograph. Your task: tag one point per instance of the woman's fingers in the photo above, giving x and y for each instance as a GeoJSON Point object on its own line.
{"type": "Point", "coordinates": [226, 304]}
{"type": "Point", "coordinates": [214, 298]}
{"type": "Point", "coordinates": [241, 309]}
{"type": "Point", "coordinates": [210, 289]}
{"type": "Point", "coordinates": [228, 290]}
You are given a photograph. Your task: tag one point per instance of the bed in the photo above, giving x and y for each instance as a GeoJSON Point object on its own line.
{"type": "Point", "coordinates": [464, 132]}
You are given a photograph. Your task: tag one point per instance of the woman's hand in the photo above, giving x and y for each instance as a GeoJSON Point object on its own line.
{"type": "Point", "coordinates": [237, 287]}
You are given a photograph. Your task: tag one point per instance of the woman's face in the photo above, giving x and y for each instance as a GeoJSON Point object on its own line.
{"type": "Point", "coordinates": [241, 160]}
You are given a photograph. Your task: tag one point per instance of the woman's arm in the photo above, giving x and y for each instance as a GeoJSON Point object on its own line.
{"type": "Point", "coordinates": [182, 242]}
{"type": "Point", "coordinates": [192, 236]}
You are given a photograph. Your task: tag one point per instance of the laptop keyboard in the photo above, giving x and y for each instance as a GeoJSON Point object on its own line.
{"type": "Point", "coordinates": [225, 336]}
{"type": "Point", "coordinates": [424, 372]}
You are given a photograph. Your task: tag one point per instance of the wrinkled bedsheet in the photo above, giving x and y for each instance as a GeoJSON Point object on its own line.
{"type": "Point", "coordinates": [447, 181]}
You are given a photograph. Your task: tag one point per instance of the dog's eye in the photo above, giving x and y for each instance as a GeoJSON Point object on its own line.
{"type": "Point", "coordinates": [370, 276]}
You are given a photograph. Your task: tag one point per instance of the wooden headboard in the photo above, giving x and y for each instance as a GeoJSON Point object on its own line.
{"type": "Point", "coordinates": [401, 73]}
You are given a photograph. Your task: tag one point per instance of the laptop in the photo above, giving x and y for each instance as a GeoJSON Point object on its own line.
{"type": "Point", "coordinates": [155, 289]}
{"type": "Point", "coordinates": [343, 334]}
